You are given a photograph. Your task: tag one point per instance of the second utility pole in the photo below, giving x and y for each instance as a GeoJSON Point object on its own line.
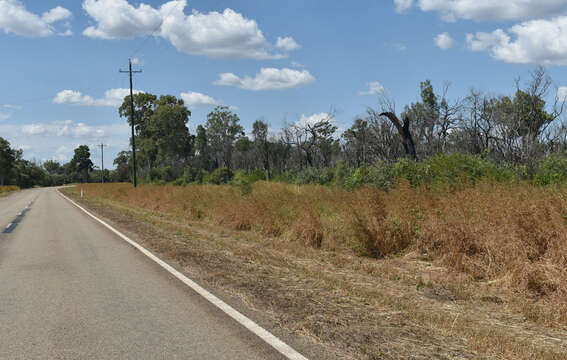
{"type": "Point", "coordinates": [132, 120]}
{"type": "Point", "coordinates": [102, 161]}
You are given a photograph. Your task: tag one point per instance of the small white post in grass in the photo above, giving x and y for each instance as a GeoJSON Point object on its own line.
{"type": "Point", "coordinates": [81, 192]}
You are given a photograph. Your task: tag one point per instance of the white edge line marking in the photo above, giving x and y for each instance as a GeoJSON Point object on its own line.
{"type": "Point", "coordinates": [264, 334]}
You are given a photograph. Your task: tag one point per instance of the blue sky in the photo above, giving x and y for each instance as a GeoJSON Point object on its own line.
{"type": "Point", "coordinates": [60, 59]}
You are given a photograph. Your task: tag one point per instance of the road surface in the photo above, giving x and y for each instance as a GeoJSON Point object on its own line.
{"type": "Point", "coordinates": [70, 289]}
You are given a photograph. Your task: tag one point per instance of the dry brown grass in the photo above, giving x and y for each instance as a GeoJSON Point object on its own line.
{"type": "Point", "coordinates": [5, 190]}
{"type": "Point", "coordinates": [486, 264]}
{"type": "Point", "coordinates": [512, 235]}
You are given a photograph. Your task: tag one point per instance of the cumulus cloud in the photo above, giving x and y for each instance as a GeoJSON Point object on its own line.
{"type": "Point", "coordinates": [56, 14]}
{"type": "Point", "coordinates": [397, 46]}
{"type": "Point", "coordinates": [13, 106]}
{"type": "Point", "coordinates": [561, 94]}
{"type": "Point", "coordinates": [532, 42]}
{"type": "Point", "coordinates": [226, 34]}
{"type": "Point", "coordinates": [61, 128]}
{"type": "Point", "coordinates": [313, 119]}
{"type": "Point", "coordinates": [487, 10]}
{"type": "Point", "coordinates": [69, 128]}
{"type": "Point", "coordinates": [374, 88]}
{"type": "Point", "coordinates": [112, 98]}
{"type": "Point", "coordinates": [287, 43]}
{"type": "Point", "coordinates": [4, 116]}
{"type": "Point", "coordinates": [33, 129]}
{"type": "Point", "coordinates": [268, 79]}
{"type": "Point", "coordinates": [117, 19]}
{"type": "Point", "coordinates": [16, 19]}
{"type": "Point", "coordinates": [444, 41]}
{"type": "Point", "coordinates": [403, 5]}
{"type": "Point", "coordinates": [196, 99]}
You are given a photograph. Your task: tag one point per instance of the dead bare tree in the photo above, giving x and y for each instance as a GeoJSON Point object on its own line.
{"type": "Point", "coordinates": [404, 131]}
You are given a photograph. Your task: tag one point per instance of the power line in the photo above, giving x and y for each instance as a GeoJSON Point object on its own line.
{"type": "Point", "coordinates": [132, 119]}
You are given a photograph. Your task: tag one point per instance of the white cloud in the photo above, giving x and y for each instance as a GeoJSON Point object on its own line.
{"type": "Point", "coordinates": [117, 19]}
{"type": "Point", "coordinates": [297, 65]}
{"type": "Point", "coordinates": [287, 43]}
{"type": "Point", "coordinates": [34, 129]}
{"type": "Point", "coordinates": [56, 14]}
{"type": "Point", "coordinates": [397, 46]}
{"type": "Point", "coordinates": [403, 5]}
{"type": "Point", "coordinates": [485, 10]}
{"type": "Point", "coordinates": [16, 19]}
{"type": "Point", "coordinates": [314, 119]}
{"type": "Point", "coordinates": [13, 106]}
{"type": "Point", "coordinates": [62, 153]}
{"type": "Point", "coordinates": [532, 42]}
{"type": "Point", "coordinates": [561, 94]}
{"type": "Point", "coordinates": [444, 41]}
{"type": "Point", "coordinates": [73, 98]}
{"type": "Point", "coordinates": [69, 128]}
{"type": "Point", "coordinates": [196, 99]}
{"type": "Point", "coordinates": [268, 79]}
{"type": "Point", "coordinates": [226, 34]}
{"type": "Point", "coordinates": [4, 116]}
{"type": "Point", "coordinates": [112, 98]}
{"type": "Point", "coordinates": [374, 88]}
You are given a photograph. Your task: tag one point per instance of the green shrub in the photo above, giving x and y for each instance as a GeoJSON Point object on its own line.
{"type": "Point", "coordinates": [312, 175]}
{"type": "Point", "coordinates": [221, 176]}
{"type": "Point", "coordinates": [551, 171]}
{"type": "Point", "coordinates": [382, 176]}
{"type": "Point", "coordinates": [243, 182]}
{"type": "Point", "coordinates": [341, 174]}
{"type": "Point", "coordinates": [356, 178]}
{"type": "Point", "coordinates": [191, 174]}
{"type": "Point", "coordinates": [167, 174]}
{"type": "Point", "coordinates": [257, 175]}
{"type": "Point", "coordinates": [180, 181]}
{"type": "Point", "coordinates": [153, 175]}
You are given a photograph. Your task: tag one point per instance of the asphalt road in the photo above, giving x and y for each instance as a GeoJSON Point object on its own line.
{"type": "Point", "coordinates": [70, 289]}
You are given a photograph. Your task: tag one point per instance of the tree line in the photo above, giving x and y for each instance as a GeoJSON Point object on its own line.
{"type": "Point", "coordinates": [518, 130]}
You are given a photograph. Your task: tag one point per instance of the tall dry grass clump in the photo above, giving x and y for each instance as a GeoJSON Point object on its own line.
{"type": "Point", "coordinates": [513, 234]}
{"type": "Point", "coordinates": [4, 190]}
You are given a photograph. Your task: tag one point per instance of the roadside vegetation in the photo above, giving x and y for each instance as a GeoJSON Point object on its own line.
{"type": "Point", "coordinates": [487, 243]}
{"type": "Point", "coordinates": [5, 190]}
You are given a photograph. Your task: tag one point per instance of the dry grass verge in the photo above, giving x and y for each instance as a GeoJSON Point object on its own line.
{"type": "Point", "coordinates": [469, 274]}
{"type": "Point", "coordinates": [5, 190]}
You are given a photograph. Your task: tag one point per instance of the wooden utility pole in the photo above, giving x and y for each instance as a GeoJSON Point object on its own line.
{"type": "Point", "coordinates": [132, 119]}
{"type": "Point", "coordinates": [102, 161]}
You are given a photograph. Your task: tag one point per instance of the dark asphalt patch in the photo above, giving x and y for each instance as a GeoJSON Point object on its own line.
{"type": "Point", "coordinates": [17, 220]}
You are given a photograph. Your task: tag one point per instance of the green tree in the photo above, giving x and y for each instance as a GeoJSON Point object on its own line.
{"type": "Point", "coordinates": [223, 128]}
{"type": "Point", "coordinates": [261, 143]}
{"type": "Point", "coordinates": [356, 142]}
{"type": "Point", "coordinates": [7, 160]}
{"type": "Point", "coordinates": [52, 167]}
{"type": "Point", "coordinates": [144, 107]}
{"type": "Point", "coordinates": [123, 170]}
{"type": "Point", "coordinates": [81, 161]}
{"type": "Point", "coordinates": [202, 148]}
{"type": "Point", "coordinates": [167, 130]}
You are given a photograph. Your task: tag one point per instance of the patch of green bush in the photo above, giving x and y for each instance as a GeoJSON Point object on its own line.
{"type": "Point", "coordinates": [551, 171]}
{"type": "Point", "coordinates": [220, 176]}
